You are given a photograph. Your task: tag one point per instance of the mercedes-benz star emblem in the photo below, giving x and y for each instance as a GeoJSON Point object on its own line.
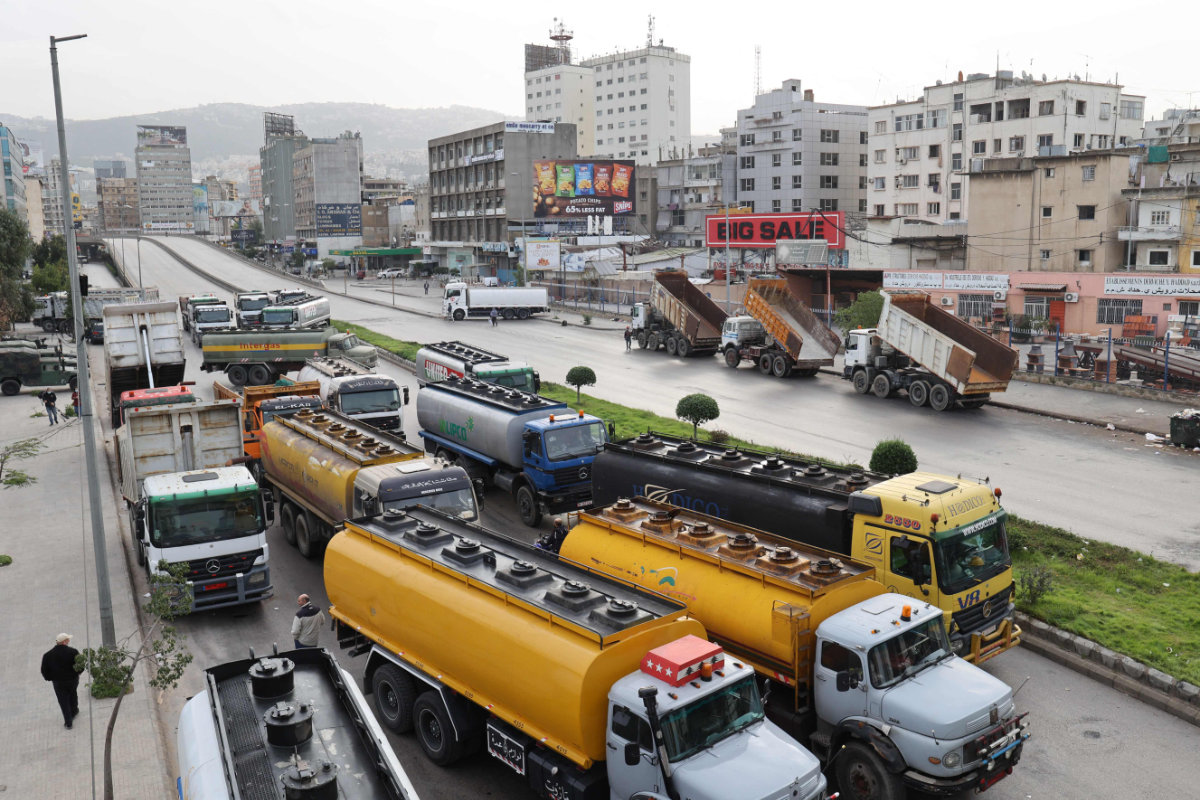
{"type": "Point", "coordinates": [213, 566]}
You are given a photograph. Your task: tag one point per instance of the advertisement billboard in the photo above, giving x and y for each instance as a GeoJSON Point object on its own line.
{"type": "Point", "coordinates": [542, 255]}
{"type": "Point", "coordinates": [35, 163]}
{"type": "Point", "coordinates": [577, 188]}
{"type": "Point", "coordinates": [763, 230]}
{"type": "Point", "coordinates": [154, 135]}
{"type": "Point", "coordinates": [339, 219]}
{"type": "Point", "coordinates": [200, 201]}
{"type": "Point", "coordinates": [236, 208]}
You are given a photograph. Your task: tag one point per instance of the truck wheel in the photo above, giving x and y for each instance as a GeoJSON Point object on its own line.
{"type": "Point", "coordinates": [459, 314]}
{"type": "Point", "coordinates": [862, 383]}
{"type": "Point", "coordinates": [304, 536]}
{"type": "Point", "coordinates": [732, 357]}
{"type": "Point", "coordinates": [509, 313]}
{"type": "Point", "coordinates": [781, 367]}
{"type": "Point", "coordinates": [258, 375]}
{"type": "Point", "coordinates": [10, 386]}
{"type": "Point", "coordinates": [764, 363]}
{"type": "Point", "coordinates": [939, 397]}
{"type": "Point", "coordinates": [641, 337]}
{"type": "Point", "coordinates": [523, 313]}
{"type": "Point", "coordinates": [287, 520]}
{"type": "Point", "coordinates": [881, 386]}
{"type": "Point", "coordinates": [395, 693]}
{"type": "Point", "coordinates": [236, 375]}
{"type": "Point", "coordinates": [918, 393]}
{"type": "Point", "coordinates": [64, 326]}
{"type": "Point", "coordinates": [434, 731]}
{"type": "Point", "coordinates": [672, 345]}
{"type": "Point", "coordinates": [527, 507]}
{"type": "Point", "coordinates": [862, 776]}
{"type": "Point", "coordinates": [48, 326]}
{"type": "Point", "coordinates": [683, 347]}
{"type": "Point", "coordinates": [652, 341]}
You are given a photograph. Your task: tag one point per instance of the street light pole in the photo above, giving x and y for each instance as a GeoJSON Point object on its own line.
{"type": "Point", "coordinates": [727, 257]}
{"type": "Point", "coordinates": [107, 630]}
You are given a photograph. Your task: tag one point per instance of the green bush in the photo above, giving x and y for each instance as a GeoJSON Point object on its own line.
{"type": "Point", "coordinates": [718, 436]}
{"type": "Point", "coordinates": [893, 457]}
{"type": "Point", "coordinates": [580, 376]}
{"type": "Point", "coordinates": [1034, 583]}
{"type": "Point", "coordinates": [5, 560]}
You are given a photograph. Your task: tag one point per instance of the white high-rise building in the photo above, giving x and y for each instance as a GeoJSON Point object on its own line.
{"type": "Point", "coordinates": [643, 103]}
{"type": "Point", "coordinates": [164, 175]}
{"type": "Point", "coordinates": [563, 93]}
{"type": "Point", "coordinates": [922, 151]}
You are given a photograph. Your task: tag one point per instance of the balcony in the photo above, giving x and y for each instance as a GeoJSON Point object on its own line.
{"type": "Point", "coordinates": [1149, 233]}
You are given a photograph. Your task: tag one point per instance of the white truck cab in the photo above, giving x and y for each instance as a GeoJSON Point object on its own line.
{"type": "Point", "coordinates": [741, 331]}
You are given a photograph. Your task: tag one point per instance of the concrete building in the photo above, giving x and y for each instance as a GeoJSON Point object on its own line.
{"type": "Point", "coordinates": [921, 150]}
{"type": "Point", "coordinates": [33, 199]}
{"type": "Point", "coordinates": [217, 214]}
{"type": "Point", "coordinates": [795, 154]}
{"type": "Point", "coordinates": [383, 189]}
{"type": "Point", "coordinates": [278, 175]}
{"type": "Point", "coordinates": [52, 208]}
{"type": "Point", "coordinates": [327, 192]}
{"type": "Point", "coordinates": [1178, 126]}
{"type": "Point", "coordinates": [422, 219]}
{"type": "Point", "coordinates": [109, 169]}
{"type": "Point", "coordinates": [12, 158]}
{"type": "Point", "coordinates": [481, 189]}
{"type": "Point", "coordinates": [164, 179]}
{"type": "Point", "coordinates": [689, 190]}
{"type": "Point", "coordinates": [118, 204]}
{"type": "Point", "coordinates": [254, 177]}
{"type": "Point", "coordinates": [564, 93]}
{"type": "Point", "coordinates": [1163, 232]}
{"type": "Point", "coordinates": [643, 103]}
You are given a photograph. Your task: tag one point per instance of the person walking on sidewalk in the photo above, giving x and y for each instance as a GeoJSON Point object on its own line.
{"type": "Point", "coordinates": [307, 624]}
{"type": "Point", "coordinates": [426, 287]}
{"type": "Point", "coordinates": [58, 667]}
{"type": "Point", "coordinates": [49, 399]}
{"type": "Point", "coordinates": [628, 338]}
{"type": "Point", "coordinates": [494, 316]}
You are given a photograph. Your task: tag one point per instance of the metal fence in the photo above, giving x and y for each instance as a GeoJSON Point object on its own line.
{"type": "Point", "coordinates": [1156, 362]}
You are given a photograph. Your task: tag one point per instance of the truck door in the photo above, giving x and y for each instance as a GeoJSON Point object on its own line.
{"type": "Point", "coordinates": [832, 705]}
{"type": "Point", "coordinates": [909, 567]}
{"type": "Point", "coordinates": [626, 728]}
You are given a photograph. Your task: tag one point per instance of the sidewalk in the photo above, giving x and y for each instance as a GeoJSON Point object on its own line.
{"type": "Point", "coordinates": [51, 587]}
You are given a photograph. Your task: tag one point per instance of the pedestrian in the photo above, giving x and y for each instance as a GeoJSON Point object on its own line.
{"type": "Point", "coordinates": [75, 401]}
{"type": "Point", "coordinates": [58, 667]}
{"type": "Point", "coordinates": [628, 338]}
{"type": "Point", "coordinates": [49, 399]}
{"type": "Point", "coordinates": [493, 317]}
{"type": "Point", "coordinates": [426, 287]}
{"type": "Point", "coordinates": [307, 624]}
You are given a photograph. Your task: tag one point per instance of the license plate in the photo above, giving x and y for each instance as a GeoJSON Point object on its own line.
{"type": "Point", "coordinates": [212, 586]}
{"type": "Point", "coordinates": [506, 749]}
{"type": "Point", "coordinates": [583, 504]}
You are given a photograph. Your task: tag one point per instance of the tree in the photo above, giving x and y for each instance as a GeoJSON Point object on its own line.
{"type": "Point", "coordinates": [50, 251]}
{"type": "Point", "coordinates": [893, 457]}
{"type": "Point", "coordinates": [52, 277]}
{"type": "Point", "coordinates": [24, 448]}
{"type": "Point", "coordinates": [862, 313]}
{"type": "Point", "coordinates": [113, 668]}
{"type": "Point", "coordinates": [581, 376]}
{"type": "Point", "coordinates": [16, 301]}
{"type": "Point", "coordinates": [697, 408]}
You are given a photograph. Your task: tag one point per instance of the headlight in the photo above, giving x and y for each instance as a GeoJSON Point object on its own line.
{"type": "Point", "coordinates": [951, 760]}
{"type": "Point", "coordinates": [957, 646]}
{"type": "Point", "coordinates": [256, 578]}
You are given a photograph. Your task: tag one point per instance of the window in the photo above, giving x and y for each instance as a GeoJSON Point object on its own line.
{"type": "Point", "coordinates": [1081, 108]}
{"type": "Point", "coordinates": [1045, 140]}
{"type": "Point", "coordinates": [1045, 255]}
{"type": "Point", "coordinates": [747, 162]}
{"type": "Point", "coordinates": [862, 181]}
{"type": "Point", "coordinates": [880, 210]}
{"type": "Point", "coordinates": [631, 728]}
{"type": "Point", "coordinates": [1191, 308]}
{"type": "Point", "coordinates": [909, 122]}
{"type": "Point", "coordinates": [1158, 258]}
{"type": "Point", "coordinates": [979, 147]}
{"type": "Point", "coordinates": [880, 183]}
{"type": "Point", "coordinates": [797, 134]}
{"type": "Point", "coordinates": [935, 151]}
{"type": "Point", "coordinates": [933, 209]}
{"type": "Point", "coordinates": [908, 152]}
{"type": "Point", "coordinates": [958, 101]}
{"type": "Point", "coordinates": [956, 191]}
{"type": "Point", "coordinates": [746, 139]}
{"type": "Point", "coordinates": [910, 181]}
{"type": "Point", "coordinates": [956, 132]}
{"type": "Point", "coordinates": [797, 204]}
{"type": "Point", "coordinates": [934, 179]}
{"type": "Point", "coordinates": [1048, 172]}
{"type": "Point", "coordinates": [776, 182]}
{"type": "Point", "coordinates": [1077, 141]}
{"type": "Point", "coordinates": [1113, 312]}
{"type": "Point", "coordinates": [828, 205]}
{"type": "Point", "coordinates": [881, 126]}
{"type": "Point", "coordinates": [956, 162]}
{"type": "Point", "coordinates": [1037, 306]}
{"type": "Point", "coordinates": [1131, 109]}
{"type": "Point", "coordinates": [829, 136]}
{"type": "Point", "coordinates": [955, 215]}
{"type": "Point", "coordinates": [862, 159]}
{"type": "Point", "coordinates": [906, 209]}
{"type": "Point", "coordinates": [997, 145]}
{"type": "Point", "coordinates": [797, 182]}
{"type": "Point", "coordinates": [862, 137]}
{"type": "Point", "coordinates": [1047, 212]}
{"type": "Point", "coordinates": [1089, 172]}
{"type": "Point", "coordinates": [829, 159]}
{"type": "Point", "coordinates": [1086, 212]}
{"type": "Point", "coordinates": [936, 118]}
{"type": "Point", "coordinates": [1045, 108]}
{"type": "Point", "coordinates": [879, 156]}
{"type": "Point", "coordinates": [747, 184]}
{"type": "Point", "coordinates": [1160, 217]}
{"type": "Point", "coordinates": [797, 159]}
{"type": "Point", "coordinates": [1085, 258]}
{"type": "Point", "coordinates": [1105, 110]}
{"type": "Point", "coordinates": [837, 658]}
{"type": "Point", "coordinates": [776, 206]}
{"type": "Point", "coordinates": [777, 159]}
{"type": "Point", "coordinates": [974, 305]}
{"type": "Point", "coordinates": [776, 136]}
{"type": "Point", "coordinates": [829, 181]}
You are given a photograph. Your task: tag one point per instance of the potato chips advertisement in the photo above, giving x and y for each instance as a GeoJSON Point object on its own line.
{"type": "Point", "coordinates": [579, 188]}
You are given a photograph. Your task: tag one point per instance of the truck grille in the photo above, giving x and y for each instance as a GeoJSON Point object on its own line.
{"type": "Point", "coordinates": [385, 424]}
{"type": "Point", "coordinates": [973, 618]}
{"type": "Point", "coordinates": [203, 569]}
{"type": "Point", "coordinates": [569, 475]}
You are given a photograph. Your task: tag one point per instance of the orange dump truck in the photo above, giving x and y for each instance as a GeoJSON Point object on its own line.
{"type": "Point", "coordinates": [261, 404]}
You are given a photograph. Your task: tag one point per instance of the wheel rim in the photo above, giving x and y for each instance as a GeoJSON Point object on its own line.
{"type": "Point", "coordinates": [861, 384]}
{"type": "Point", "coordinates": [672, 346]}
{"type": "Point", "coordinates": [918, 393]}
{"type": "Point", "coordinates": [880, 387]}
{"type": "Point", "coordinates": [389, 703]}
{"type": "Point", "coordinates": [862, 781]}
{"type": "Point", "coordinates": [939, 398]}
{"type": "Point", "coordinates": [431, 728]}
{"type": "Point", "coordinates": [732, 358]}
{"type": "Point", "coordinates": [779, 366]}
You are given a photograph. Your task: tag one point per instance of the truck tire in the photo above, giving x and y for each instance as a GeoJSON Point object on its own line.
{"type": "Point", "coordinates": [861, 775]}
{"type": "Point", "coordinates": [683, 348]}
{"type": "Point", "coordinates": [862, 384]}
{"type": "Point", "coordinates": [509, 313]}
{"type": "Point", "coordinates": [434, 731]}
{"type": "Point", "coordinates": [306, 541]}
{"type": "Point", "coordinates": [258, 375]}
{"type": "Point", "coordinates": [918, 393]}
{"type": "Point", "coordinates": [73, 382]}
{"type": "Point", "coordinates": [523, 313]}
{"type": "Point", "coordinates": [764, 363]}
{"type": "Point", "coordinates": [64, 326]}
{"type": "Point", "coordinates": [732, 357]}
{"type": "Point", "coordinates": [652, 341]}
{"type": "Point", "coordinates": [527, 507]}
{"type": "Point", "coordinates": [672, 345]}
{"type": "Point", "coordinates": [11, 387]}
{"type": "Point", "coordinates": [940, 397]}
{"type": "Point", "coordinates": [287, 521]}
{"type": "Point", "coordinates": [237, 375]}
{"type": "Point", "coordinates": [48, 325]}
{"type": "Point", "coordinates": [881, 387]}
{"type": "Point", "coordinates": [781, 367]}
{"type": "Point", "coordinates": [812, 372]}
{"type": "Point", "coordinates": [395, 694]}
{"type": "Point", "coordinates": [459, 315]}
{"type": "Point", "coordinates": [641, 340]}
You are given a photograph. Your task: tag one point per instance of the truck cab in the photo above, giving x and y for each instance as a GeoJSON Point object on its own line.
{"type": "Point", "coordinates": [209, 317]}
{"type": "Point", "coordinates": [349, 346]}
{"type": "Point", "coordinates": [302, 312]}
{"type": "Point", "coordinates": [249, 307]}
{"type": "Point", "coordinates": [742, 331]}
{"type": "Point", "coordinates": [863, 346]}
{"type": "Point", "coordinates": [558, 454]}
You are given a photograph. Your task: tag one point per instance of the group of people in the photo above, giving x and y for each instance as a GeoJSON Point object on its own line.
{"type": "Point", "coordinates": [50, 401]}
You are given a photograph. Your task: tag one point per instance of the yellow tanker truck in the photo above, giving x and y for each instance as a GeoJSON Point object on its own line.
{"type": "Point", "coordinates": [585, 686]}
{"type": "Point", "coordinates": [324, 467]}
{"type": "Point", "coordinates": [838, 655]}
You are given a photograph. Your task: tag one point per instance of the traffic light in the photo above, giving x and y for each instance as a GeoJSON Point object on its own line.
{"type": "Point", "coordinates": [83, 285]}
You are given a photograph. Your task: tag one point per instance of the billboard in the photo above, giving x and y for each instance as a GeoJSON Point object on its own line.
{"type": "Point", "coordinates": [199, 201]}
{"type": "Point", "coordinates": [237, 208]}
{"type": "Point", "coordinates": [154, 135]}
{"type": "Point", "coordinates": [542, 255]}
{"type": "Point", "coordinates": [35, 163]}
{"type": "Point", "coordinates": [577, 188]}
{"type": "Point", "coordinates": [762, 230]}
{"type": "Point", "coordinates": [339, 219]}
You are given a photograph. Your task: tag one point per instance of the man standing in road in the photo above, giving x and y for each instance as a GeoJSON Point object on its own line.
{"type": "Point", "coordinates": [492, 316]}
{"type": "Point", "coordinates": [426, 287]}
{"type": "Point", "coordinates": [49, 399]}
{"type": "Point", "coordinates": [307, 624]}
{"type": "Point", "coordinates": [58, 667]}
{"type": "Point", "coordinates": [628, 338]}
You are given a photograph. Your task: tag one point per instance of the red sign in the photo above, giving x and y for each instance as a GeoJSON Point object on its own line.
{"type": "Point", "coordinates": [679, 661]}
{"type": "Point", "coordinates": [763, 230]}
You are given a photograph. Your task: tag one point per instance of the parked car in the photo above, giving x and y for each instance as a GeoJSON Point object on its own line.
{"type": "Point", "coordinates": [94, 332]}
{"type": "Point", "coordinates": [388, 274]}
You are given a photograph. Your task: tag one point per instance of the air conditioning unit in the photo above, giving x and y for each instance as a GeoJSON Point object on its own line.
{"type": "Point", "coordinates": [1071, 297]}
{"type": "Point", "coordinates": [999, 296]}
{"type": "Point", "coordinates": [902, 161]}
{"type": "Point", "coordinates": [947, 301]}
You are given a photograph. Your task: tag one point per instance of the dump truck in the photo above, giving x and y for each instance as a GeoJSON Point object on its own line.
{"type": "Point", "coordinates": [30, 366]}
{"type": "Point", "coordinates": [358, 392]}
{"type": "Point", "coordinates": [260, 404]}
{"type": "Point", "coordinates": [326, 467]}
{"type": "Point", "coordinates": [248, 307]}
{"type": "Point", "coordinates": [865, 677]}
{"type": "Point", "coordinates": [585, 686]}
{"type": "Point", "coordinates": [257, 357]}
{"type": "Point", "coordinates": [143, 349]}
{"type": "Point", "coordinates": [932, 537]}
{"type": "Point", "coordinates": [52, 312]}
{"type": "Point", "coordinates": [461, 300]}
{"type": "Point", "coordinates": [678, 318]}
{"type": "Point", "coordinates": [535, 449]}
{"type": "Point", "coordinates": [300, 312]}
{"type": "Point", "coordinates": [291, 724]}
{"type": "Point", "coordinates": [930, 354]}
{"type": "Point", "coordinates": [788, 337]}
{"type": "Point", "coordinates": [187, 507]}
{"type": "Point", "coordinates": [158, 396]}
{"type": "Point", "coordinates": [436, 362]}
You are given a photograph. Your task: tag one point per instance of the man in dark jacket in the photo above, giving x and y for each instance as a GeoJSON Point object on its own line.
{"type": "Point", "coordinates": [58, 667]}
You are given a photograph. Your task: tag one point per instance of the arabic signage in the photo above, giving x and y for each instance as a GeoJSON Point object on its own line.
{"type": "Point", "coordinates": [975, 281]}
{"type": "Point", "coordinates": [912, 280]}
{"type": "Point", "coordinates": [763, 230]}
{"type": "Point", "coordinates": [155, 135]}
{"type": "Point", "coordinates": [529, 127]}
{"type": "Point", "coordinates": [578, 188]}
{"type": "Point", "coordinates": [339, 219]}
{"type": "Point", "coordinates": [1152, 285]}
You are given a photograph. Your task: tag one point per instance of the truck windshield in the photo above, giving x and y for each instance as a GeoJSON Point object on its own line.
{"type": "Point", "coordinates": [212, 314]}
{"type": "Point", "coordinates": [522, 381]}
{"type": "Point", "coordinates": [908, 653]}
{"type": "Point", "coordinates": [349, 342]}
{"type": "Point", "coordinates": [688, 730]}
{"type": "Point", "coordinates": [459, 503]}
{"type": "Point", "coordinates": [971, 554]}
{"type": "Point", "coordinates": [574, 442]}
{"type": "Point", "coordinates": [370, 401]}
{"type": "Point", "coordinates": [200, 519]}
{"type": "Point", "coordinates": [277, 316]}
{"type": "Point", "coordinates": [254, 303]}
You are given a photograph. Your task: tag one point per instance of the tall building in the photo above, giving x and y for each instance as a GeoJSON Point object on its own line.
{"type": "Point", "coordinates": [52, 203]}
{"type": "Point", "coordinates": [921, 150]}
{"type": "Point", "coordinates": [109, 169]}
{"type": "Point", "coordinates": [37, 215]}
{"type": "Point", "coordinates": [276, 158]}
{"type": "Point", "coordinates": [12, 158]}
{"type": "Point", "coordinates": [164, 179]}
{"type": "Point", "coordinates": [795, 154]}
{"type": "Point", "coordinates": [118, 203]}
{"type": "Point", "coordinates": [254, 177]}
{"type": "Point", "coordinates": [690, 189]}
{"type": "Point", "coordinates": [327, 192]}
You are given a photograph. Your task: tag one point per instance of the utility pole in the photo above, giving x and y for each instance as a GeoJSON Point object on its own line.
{"type": "Point", "coordinates": [107, 631]}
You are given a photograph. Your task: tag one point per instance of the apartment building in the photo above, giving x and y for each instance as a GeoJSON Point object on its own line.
{"type": "Point", "coordinates": [690, 189]}
{"type": "Point", "coordinates": [254, 179]}
{"type": "Point", "coordinates": [12, 158]}
{"type": "Point", "coordinates": [563, 93]}
{"type": "Point", "coordinates": [921, 150]}
{"type": "Point", "coordinates": [281, 140]}
{"type": "Point", "coordinates": [37, 216]}
{"type": "Point", "coordinates": [164, 179]}
{"type": "Point", "coordinates": [1178, 126]}
{"type": "Point", "coordinates": [52, 201]}
{"type": "Point", "coordinates": [109, 169]}
{"type": "Point", "coordinates": [118, 204]}
{"type": "Point", "coordinates": [1163, 232]}
{"type": "Point", "coordinates": [642, 103]}
{"type": "Point", "coordinates": [327, 192]}
{"type": "Point", "coordinates": [795, 154]}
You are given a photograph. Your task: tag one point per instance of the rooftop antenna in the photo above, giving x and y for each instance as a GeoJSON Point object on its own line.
{"type": "Point", "coordinates": [562, 39]}
{"type": "Point", "coordinates": [650, 33]}
{"type": "Point", "coordinates": [757, 70]}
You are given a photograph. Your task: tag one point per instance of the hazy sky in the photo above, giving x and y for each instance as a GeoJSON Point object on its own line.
{"type": "Point", "coordinates": [143, 56]}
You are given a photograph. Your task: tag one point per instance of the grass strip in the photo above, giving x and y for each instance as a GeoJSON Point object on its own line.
{"type": "Point", "coordinates": [397, 347]}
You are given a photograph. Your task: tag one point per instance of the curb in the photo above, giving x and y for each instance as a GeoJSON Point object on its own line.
{"type": "Point", "coordinates": [1145, 684]}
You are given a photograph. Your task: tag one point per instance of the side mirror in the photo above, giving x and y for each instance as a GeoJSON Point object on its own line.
{"type": "Point", "coordinates": [405, 395]}
{"type": "Point", "coordinates": [537, 383]}
{"type": "Point", "coordinates": [371, 506]}
{"type": "Point", "coordinates": [633, 754]}
{"type": "Point", "coordinates": [139, 514]}
{"type": "Point", "coordinates": [268, 505]}
{"type": "Point", "coordinates": [846, 681]}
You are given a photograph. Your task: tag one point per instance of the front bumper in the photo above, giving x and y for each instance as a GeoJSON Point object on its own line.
{"type": "Point", "coordinates": [232, 590]}
{"type": "Point", "coordinates": [1001, 755]}
{"type": "Point", "coordinates": [571, 498]}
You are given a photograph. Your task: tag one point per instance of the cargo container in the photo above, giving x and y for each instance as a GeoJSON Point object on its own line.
{"type": "Point", "coordinates": [143, 349]}
{"type": "Point", "coordinates": [679, 318]}
{"type": "Point", "coordinates": [52, 312]}
{"type": "Point", "coordinates": [788, 338]}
